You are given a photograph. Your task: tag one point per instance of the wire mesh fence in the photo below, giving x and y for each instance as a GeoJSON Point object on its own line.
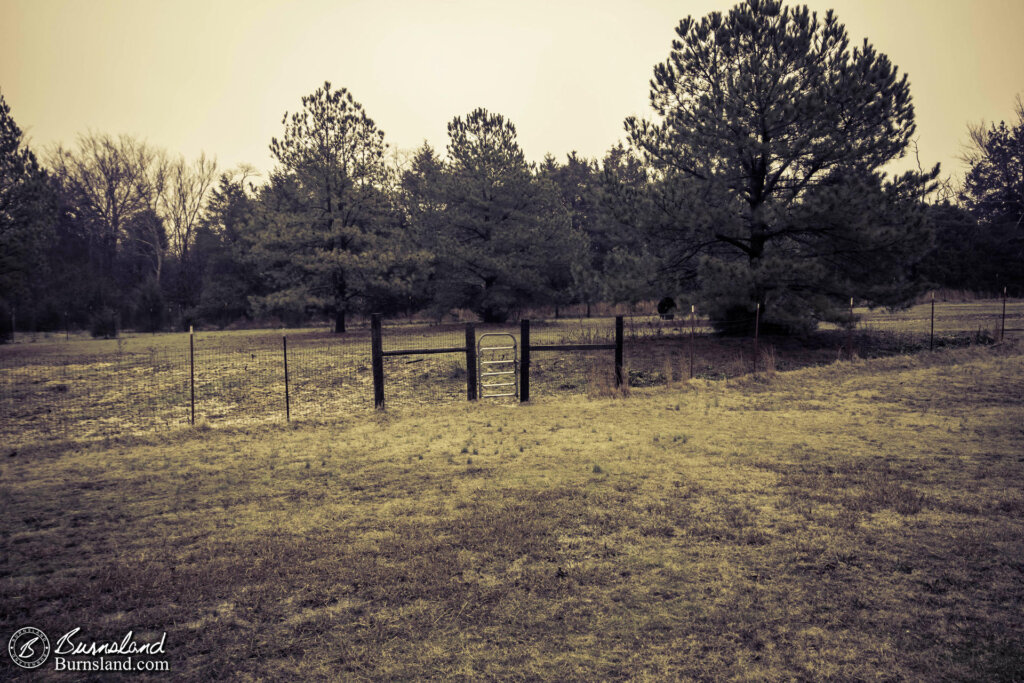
{"type": "Point", "coordinates": [424, 378]}
{"type": "Point", "coordinates": [58, 391]}
{"type": "Point", "coordinates": [56, 396]}
{"type": "Point", "coordinates": [88, 396]}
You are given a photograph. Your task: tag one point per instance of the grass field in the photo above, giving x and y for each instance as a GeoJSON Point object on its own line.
{"type": "Point", "coordinates": [857, 521]}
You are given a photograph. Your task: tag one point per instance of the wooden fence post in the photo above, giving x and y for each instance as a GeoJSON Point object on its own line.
{"type": "Point", "coordinates": [524, 364]}
{"type": "Point", "coordinates": [377, 361]}
{"type": "Point", "coordinates": [287, 398]}
{"type": "Point", "coordinates": [470, 362]}
{"type": "Point", "coordinates": [618, 350]}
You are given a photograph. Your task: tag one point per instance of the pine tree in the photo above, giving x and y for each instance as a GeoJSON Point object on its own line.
{"type": "Point", "coordinates": [993, 192]}
{"type": "Point", "coordinates": [768, 148]}
{"type": "Point", "coordinates": [28, 210]}
{"type": "Point", "coordinates": [326, 236]}
{"type": "Point", "coordinates": [226, 277]}
{"type": "Point", "coordinates": [498, 232]}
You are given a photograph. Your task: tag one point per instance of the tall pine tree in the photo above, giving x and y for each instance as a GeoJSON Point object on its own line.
{"type": "Point", "coordinates": [770, 137]}
{"type": "Point", "coordinates": [28, 208]}
{"type": "Point", "coordinates": [993, 192]}
{"type": "Point", "coordinates": [499, 233]}
{"type": "Point", "coordinates": [326, 236]}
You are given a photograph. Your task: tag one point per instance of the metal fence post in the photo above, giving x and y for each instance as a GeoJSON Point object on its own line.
{"type": "Point", "coordinates": [618, 350]}
{"type": "Point", "coordinates": [757, 329]}
{"type": "Point", "coordinates": [693, 325]}
{"type": "Point", "coordinates": [849, 334]}
{"type": "Point", "coordinates": [287, 399]}
{"type": "Point", "coordinates": [470, 362]}
{"type": "Point", "coordinates": [931, 335]}
{"type": "Point", "coordinates": [524, 363]}
{"type": "Point", "coordinates": [1002, 325]}
{"type": "Point", "coordinates": [377, 360]}
{"type": "Point", "coordinates": [192, 371]}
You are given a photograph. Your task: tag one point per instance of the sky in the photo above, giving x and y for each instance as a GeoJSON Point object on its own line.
{"type": "Point", "coordinates": [217, 76]}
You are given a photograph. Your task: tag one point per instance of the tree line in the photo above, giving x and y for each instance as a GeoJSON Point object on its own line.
{"type": "Point", "coordinates": [757, 184]}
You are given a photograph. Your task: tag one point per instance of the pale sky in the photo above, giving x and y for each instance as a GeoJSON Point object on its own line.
{"type": "Point", "coordinates": [218, 75]}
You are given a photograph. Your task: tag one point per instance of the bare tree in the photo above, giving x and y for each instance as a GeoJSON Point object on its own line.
{"type": "Point", "coordinates": [183, 199]}
{"type": "Point", "coordinates": [114, 182]}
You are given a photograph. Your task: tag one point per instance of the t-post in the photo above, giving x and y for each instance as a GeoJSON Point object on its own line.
{"type": "Point", "coordinates": [192, 371]}
{"type": "Point", "coordinates": [757, 327]}
{"type": "Point", "coordinates": [287, 399]}
{"type": "Point", "coordinates": [693, 324]}
{"type": "Point", "coordinates": [849, 334]}
{"type": "Point", "coordinates": [1002, 324]}
{"type": "Point", "coordinates": [931, 334]}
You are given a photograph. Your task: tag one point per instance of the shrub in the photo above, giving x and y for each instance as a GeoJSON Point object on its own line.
{"type": "Point", "coordinates": [6, 331]}
{"type": "Point", "coordinates": [103, 323]}
{"type": "Point", "coordinates": [150, 307]}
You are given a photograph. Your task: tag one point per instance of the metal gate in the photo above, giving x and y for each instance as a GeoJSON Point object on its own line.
{"type": "Point", "coordinates": [497, 365]}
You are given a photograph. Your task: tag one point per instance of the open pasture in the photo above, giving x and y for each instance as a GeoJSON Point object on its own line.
{"type": "Point", "coordinates": [857, 521]}
{"type": "Point", "coordinates": [52, 389]}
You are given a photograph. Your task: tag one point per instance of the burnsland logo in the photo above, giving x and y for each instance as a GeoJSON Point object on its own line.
{"type": "Point", "coordinates": [127, 646]}
{"type": "Point", "coordinates": [29, 647]}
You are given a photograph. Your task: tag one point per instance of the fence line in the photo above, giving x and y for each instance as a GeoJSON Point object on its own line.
{"type": "Point", "coordinates": [45, 393]}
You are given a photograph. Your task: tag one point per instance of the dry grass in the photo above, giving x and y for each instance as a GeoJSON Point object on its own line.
{"type": "Point", "coordinates": [53, 390]}
{"type": "Point", "coordinates": [857, 521]}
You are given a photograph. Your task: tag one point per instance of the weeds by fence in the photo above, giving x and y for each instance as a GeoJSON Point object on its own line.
{"type": "Point", "coordinates": [73, 390]}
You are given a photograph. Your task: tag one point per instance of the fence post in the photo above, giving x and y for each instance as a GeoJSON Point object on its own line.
{"type": "Point", "coordinates": [377, 360]}
{"type": "Point", "coordinates": [931, 335]}
{"type": "Point", "coordinates": [693, 325]}
{"type": "Point", "coordinates": [618, 350]}
{"type": "Point", "coordinates": [470, 362]}
{"type": "Point", "coordinates": [192, 371]}
{"type": "Point", "coordinates": [524, 364]}
{"type": "Point", "coordinates": [1002, 325]}
{"type": "Point", "coordinates": [849, 334]}
{"type": "Point", "coordinates": [287, 399]}
{"type": "Point", "coordinates": [757, 330]}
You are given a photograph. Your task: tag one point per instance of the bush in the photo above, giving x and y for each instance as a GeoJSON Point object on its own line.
{"type": "Point", "coordinates": [49, 318]}
{"type": "Point", "coordinates": [103, 323]}
{"type": "Point", "coordinates": [150, 308]}
{"type": "Point", "coordinates": [6, 332]}
{"type": "Point", "coordinates": [666, 307]}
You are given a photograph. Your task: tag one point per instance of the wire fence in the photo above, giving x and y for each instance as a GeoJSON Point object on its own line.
{"type": "Point", "coordinates": [57, 391]}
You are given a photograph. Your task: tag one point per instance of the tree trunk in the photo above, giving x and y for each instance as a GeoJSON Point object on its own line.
{"type": "Point", "coordinates": [339, 322]}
